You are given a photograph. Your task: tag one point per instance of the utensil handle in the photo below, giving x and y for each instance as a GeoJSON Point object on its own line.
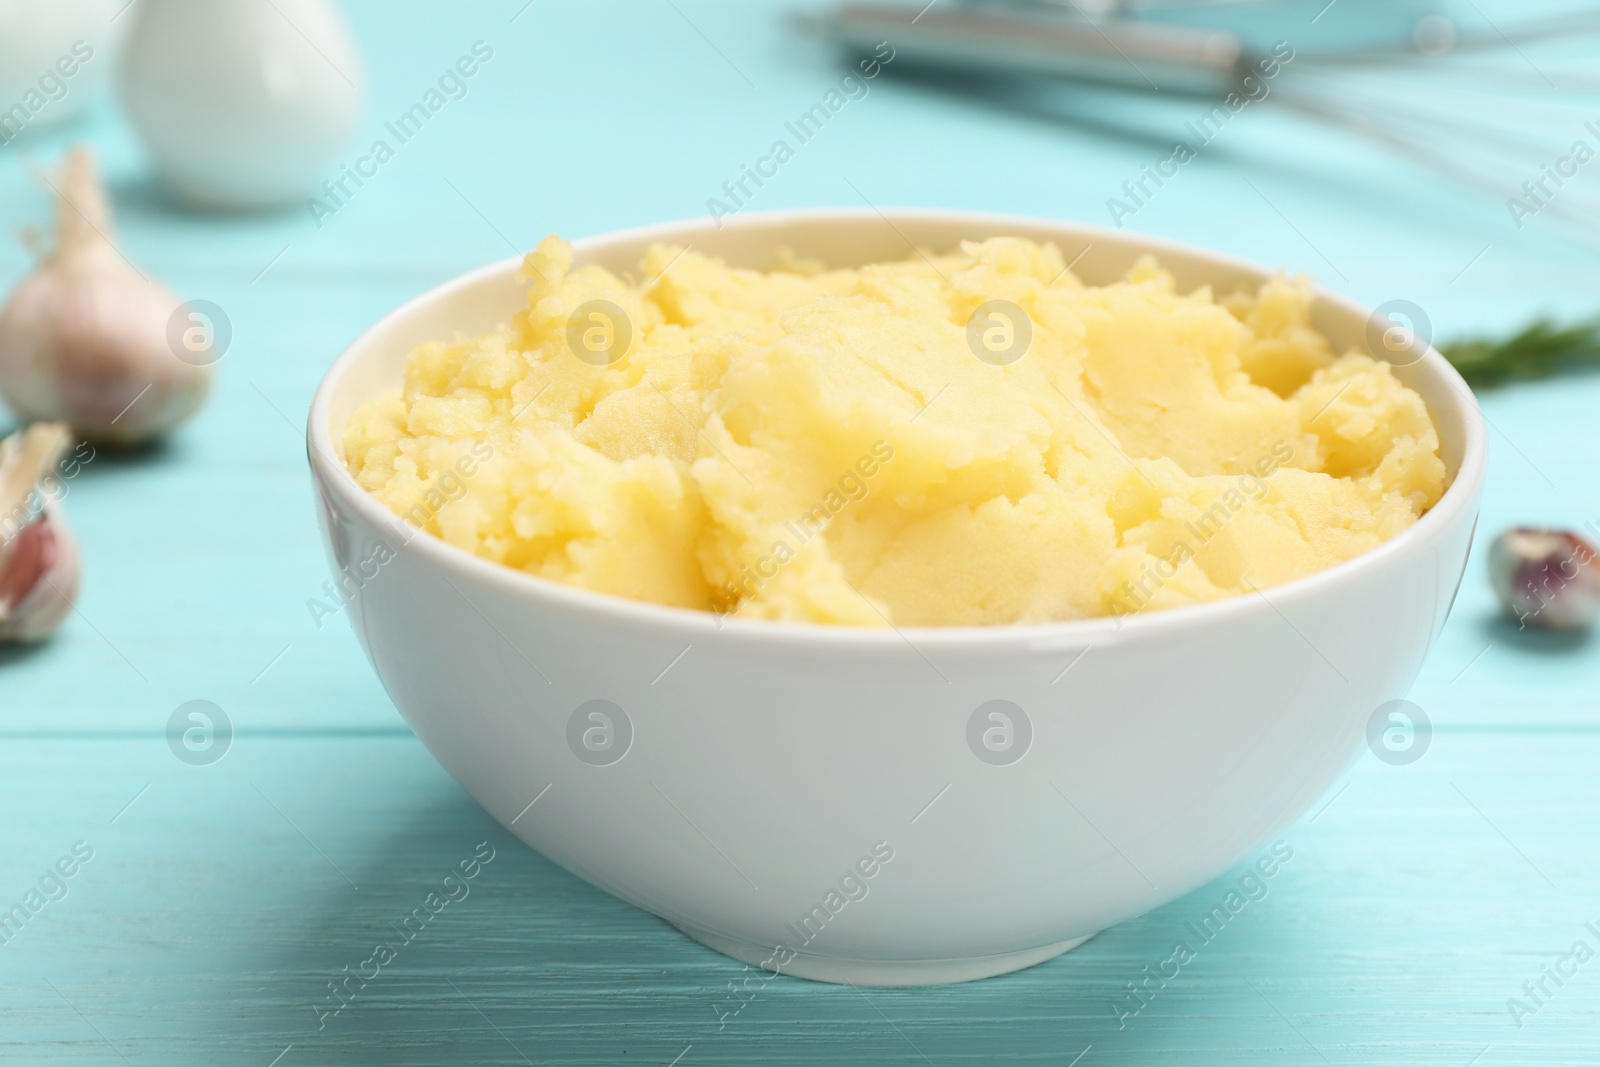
{"type": "Point", "coordinates": [1134, 55]}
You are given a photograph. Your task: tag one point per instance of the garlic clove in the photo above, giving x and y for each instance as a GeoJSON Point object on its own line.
{"type": "Point", "coordinates": [39, 561]}
{"type": "Point", "coordinates": [87, 339]}
{"type": "Point", "coordinates": [39, 577]}
{"type": "Point", "coordinates": [1549, 579]}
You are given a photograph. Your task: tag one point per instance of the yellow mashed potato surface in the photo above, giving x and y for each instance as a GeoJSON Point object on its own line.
{"type": "Point", "coordinates": [827, 445]}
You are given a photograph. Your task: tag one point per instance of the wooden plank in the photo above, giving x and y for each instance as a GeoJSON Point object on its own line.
{"type": "Point", "coordinates": [220, 904]}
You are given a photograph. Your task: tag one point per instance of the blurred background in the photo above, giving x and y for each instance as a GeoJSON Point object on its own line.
{"type": "Point", "coordinates": [1387, 158]}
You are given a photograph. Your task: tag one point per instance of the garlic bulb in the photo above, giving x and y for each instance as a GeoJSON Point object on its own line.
{"type": "Point", "coordinates": [38, 556]}
{"type": "Point", "coordinates": [1549, 579]}
{"type": "Point", "coordinates": [89, 340]}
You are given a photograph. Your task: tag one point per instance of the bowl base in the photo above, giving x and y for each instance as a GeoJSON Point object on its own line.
{"type": "Point", "coordinates": [885, 972]}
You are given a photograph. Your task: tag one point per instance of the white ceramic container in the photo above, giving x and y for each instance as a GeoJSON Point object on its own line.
{"type": "Point", "coordinates": [764, 766]}
{"type": "Point", "coordinates": [54, 60]}
{"type": "Point", "coordinates": [241, 104]}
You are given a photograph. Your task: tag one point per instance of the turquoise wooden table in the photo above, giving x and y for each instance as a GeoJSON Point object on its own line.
{"type": "Point", "coordinates": [221, 902]}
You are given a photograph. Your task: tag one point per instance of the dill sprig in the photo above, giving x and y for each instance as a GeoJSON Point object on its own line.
{"type": "Point", "coordinates": [1539, 351]}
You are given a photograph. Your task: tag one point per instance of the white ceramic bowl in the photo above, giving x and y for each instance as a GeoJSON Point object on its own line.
{"type": "Point", "coordinates": [765, 766]}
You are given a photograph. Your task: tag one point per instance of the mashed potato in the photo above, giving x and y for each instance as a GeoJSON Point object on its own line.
{"type": "Point", "coordinates": [838, 446]}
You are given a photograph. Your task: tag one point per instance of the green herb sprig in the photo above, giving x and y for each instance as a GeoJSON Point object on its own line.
{"type": "Point", "coordinates": [1539, 351]}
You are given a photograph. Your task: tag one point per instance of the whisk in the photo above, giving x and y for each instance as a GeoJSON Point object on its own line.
{"type": "Point", "coordinates": [1485, 106]}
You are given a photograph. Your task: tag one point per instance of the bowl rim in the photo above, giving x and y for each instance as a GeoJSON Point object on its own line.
{"type": "Point", "coordinates": [1066, 634]}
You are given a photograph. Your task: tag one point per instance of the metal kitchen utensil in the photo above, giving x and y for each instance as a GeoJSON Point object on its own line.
{"type": "Point", "coordinates": [1456, 100]}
